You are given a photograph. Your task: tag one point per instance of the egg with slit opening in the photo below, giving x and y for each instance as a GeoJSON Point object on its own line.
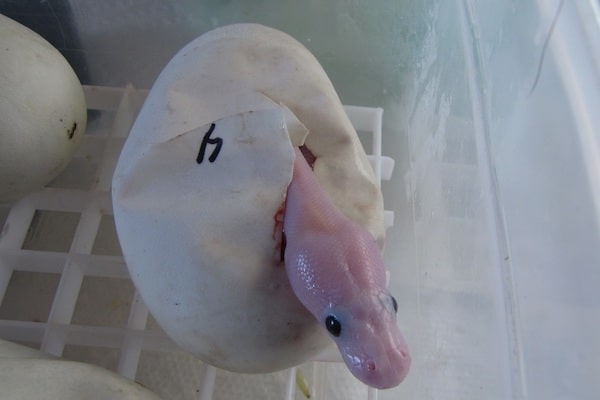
{"type": "Point", "coordinates": [199, 195]}
{"type": "Point", "coordinates": [42, 111]}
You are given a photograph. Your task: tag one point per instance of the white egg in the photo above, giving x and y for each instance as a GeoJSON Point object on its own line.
{"type": "Point", "coordinates": [42, 111]}
{"type": "Point", "coordinates": [26, 373]}
{"type": "Point", "coordinates": [200, 186]}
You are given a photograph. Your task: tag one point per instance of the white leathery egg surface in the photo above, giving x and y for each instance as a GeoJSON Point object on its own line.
{"type": "Point", "coordinates": [201, 182]}
{"type": "Point", "coordinates": [42, 111]}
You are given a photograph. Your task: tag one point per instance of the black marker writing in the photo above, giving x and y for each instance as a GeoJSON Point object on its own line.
{"type": "Point", "coordinates": [207, 140]}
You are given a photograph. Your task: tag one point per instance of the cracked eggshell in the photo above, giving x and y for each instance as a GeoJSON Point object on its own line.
{"type": "Point", "coordinates": [202, 239]}
{"type": "Point", "coordinates": [42, 111]}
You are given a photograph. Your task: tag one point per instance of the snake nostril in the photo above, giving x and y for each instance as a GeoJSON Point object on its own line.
{"type": "Point", "coordinates": [371, 366]}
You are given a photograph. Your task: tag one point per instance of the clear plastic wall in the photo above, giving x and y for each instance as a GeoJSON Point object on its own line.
{"type": "Point", "coordinates": [490, 112]}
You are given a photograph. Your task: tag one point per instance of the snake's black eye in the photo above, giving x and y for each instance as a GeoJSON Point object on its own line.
{"type": "Point", "coordinates": [333, 325]}
{"type": "Point", "coordinates": [395, 304]}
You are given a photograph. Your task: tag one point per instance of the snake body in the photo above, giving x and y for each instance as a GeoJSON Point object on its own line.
{"type": "Point", "coordinates": [336, 270]}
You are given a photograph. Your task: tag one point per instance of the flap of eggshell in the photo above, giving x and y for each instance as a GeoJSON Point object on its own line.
{"type": "Point", "coordinates": [200, 184]}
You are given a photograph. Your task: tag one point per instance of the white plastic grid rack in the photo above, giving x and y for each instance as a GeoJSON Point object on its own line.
{"type": "Point", "coordinates": [66, 231]}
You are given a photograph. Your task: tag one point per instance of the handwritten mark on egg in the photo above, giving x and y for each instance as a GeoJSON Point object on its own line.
{"type": "Point", "coordinates": [218, 142]}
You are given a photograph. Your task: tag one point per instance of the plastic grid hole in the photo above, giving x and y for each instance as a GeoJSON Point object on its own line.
{"type": "Point", "coordinates": [152, 325]}
{"type": "Point", "coordinates": [103, 302]}
{"type": "Point", "coordinates": [51, 231]}
{"type": "Point", "coordinates": [3, 216]}
{"type": "Point", "coordinates": [366, 140]}
{"type": "Point", "coordinates": [107, 242]}
{"type": "Point", "coordinates": [79, 175]}
{"type": "Point", "coordinates": [28, 296]}
{"type": "Point", "coordinates": [104, 357]}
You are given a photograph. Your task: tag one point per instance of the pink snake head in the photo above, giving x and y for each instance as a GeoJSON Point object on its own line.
{"type": "Point", "coordinates": [336, 270]}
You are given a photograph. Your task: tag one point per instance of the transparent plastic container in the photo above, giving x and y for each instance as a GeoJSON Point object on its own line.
{"type": "Point", "coordinates": [490, 113]}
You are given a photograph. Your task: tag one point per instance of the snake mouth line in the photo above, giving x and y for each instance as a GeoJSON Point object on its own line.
{"type": "Point", "coordinates": [283, 244]}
